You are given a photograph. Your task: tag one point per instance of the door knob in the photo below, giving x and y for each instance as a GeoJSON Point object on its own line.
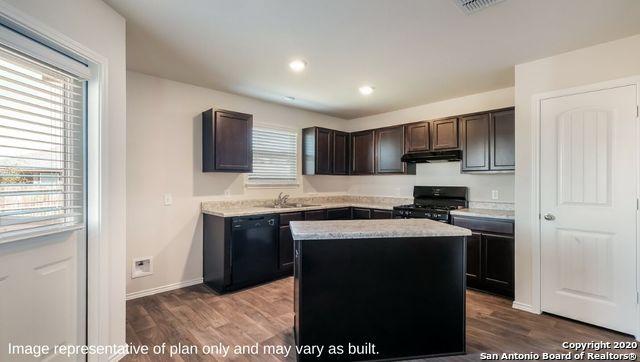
{"type": "Point", "coordinates": [549, 217]}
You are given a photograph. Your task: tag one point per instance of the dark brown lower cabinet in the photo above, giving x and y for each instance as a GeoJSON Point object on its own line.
{"type": "Point", "coordinates": [381, 214]}
{"type": "Point", "coordinates": [285, 252]}
{"type": "Point", "coordinates": [316, 215]}
{"type": "Point", "coordinates": [359, 213]}
{"type": "Point", "coordinates": [343, 213]}
{"type": "Point", "coordinates": [490, 254]}
{"type": "Point", "coordinates": [474, 260]}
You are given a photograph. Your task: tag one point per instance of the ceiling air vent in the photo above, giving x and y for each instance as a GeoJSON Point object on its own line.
{"type": "Point", "coordinates": [472, 6]}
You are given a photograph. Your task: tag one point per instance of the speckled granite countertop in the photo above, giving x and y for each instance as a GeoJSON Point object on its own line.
{"type": "Point", "coordinates": [230, 208]}
{"type": "Point", "coordinates": [487, 213]}
{"type": "Point", "coordinates": [365, 229]}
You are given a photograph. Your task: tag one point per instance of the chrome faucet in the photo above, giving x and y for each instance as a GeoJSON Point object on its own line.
{"type": "Point", "coordinates": [281, 200]}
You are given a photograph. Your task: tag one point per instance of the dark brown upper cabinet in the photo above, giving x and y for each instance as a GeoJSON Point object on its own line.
{"type": "Point", "coordinates": [502, 140]}
{"type": "Point", "coordinates": [226, 141]}
{"type": "Point", "coordinates": [389, 146]}
{"type": "Point", "coordinates": [475, 142]}
{"type": "Point", "coordinates": [417, 137]}
{"type": "Point", "coordinates": [340, 153]}
{"type": "Point", "coordinates": [488, 141]}
{"type": "Point", "coordinates": [325, 152]}
{"type": "Point", "coordinates": [444, 134]}
{"type": "Point", "coordinates": [362, 153]}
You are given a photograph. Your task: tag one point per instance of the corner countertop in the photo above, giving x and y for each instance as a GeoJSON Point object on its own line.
{"type": "Point", "coordinates": [486, 213]}
{"type": "Point", "coordinates": [366, 229]}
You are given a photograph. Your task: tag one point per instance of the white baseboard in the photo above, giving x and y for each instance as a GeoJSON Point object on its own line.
{"type": "Point", "coordinates": [164, 288]}
{"type": "Point", "coordinates": [524, 307]}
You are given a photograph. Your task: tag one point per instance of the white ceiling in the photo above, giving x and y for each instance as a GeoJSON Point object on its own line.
{"type": "Point", "coordinates": [412, 51]}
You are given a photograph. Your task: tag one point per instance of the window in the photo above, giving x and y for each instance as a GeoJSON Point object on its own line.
{"type": "Point", "coordinates": [275, 160]}
{"type": "Point", "coordinates": [41, 148]}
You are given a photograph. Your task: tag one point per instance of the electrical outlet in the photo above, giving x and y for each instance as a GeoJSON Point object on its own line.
{"type": "Point", "coordinates": [142, 267]}
{"type": "Point", "coordinates": [227, 192]}
{"type": "Point", "coordinates": [494, 195]}
{"type": "Point", "coordinates": [168, 199]}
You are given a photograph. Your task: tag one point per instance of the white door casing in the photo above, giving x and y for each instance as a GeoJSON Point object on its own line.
{"type": "Point", "coordinates": [588, 187]}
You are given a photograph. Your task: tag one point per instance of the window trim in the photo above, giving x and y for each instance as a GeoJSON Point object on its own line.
{"type": "Point", "coordinates": [248, 184]}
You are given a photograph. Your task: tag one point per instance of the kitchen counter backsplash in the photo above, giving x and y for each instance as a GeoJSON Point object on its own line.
{"type": "Point", "coordinates": [239, 207]}
{"type": "Point", "coordinates": [489, 205]}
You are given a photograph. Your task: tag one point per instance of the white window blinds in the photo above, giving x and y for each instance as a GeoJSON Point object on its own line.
{"type": "Point", "coordinates": [41, 148]}
{"type": "Point", "coordinates": [275, 158]}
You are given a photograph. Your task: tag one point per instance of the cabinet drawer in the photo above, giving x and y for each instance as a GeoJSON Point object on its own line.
{"type": "Point", "coordinates": [291, 216]}
{"type": "Point", "coordinates": [360, 213]}
{"type": "Point", "coordinates": [339, 214]}
{"type": "Point", "coordinates": [315, 215]}
{"type": "Point", "coordinates": [486, 225]}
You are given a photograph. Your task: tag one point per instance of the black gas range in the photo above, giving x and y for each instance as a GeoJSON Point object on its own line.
{"type": "Point", "coordinates": [433, 202]}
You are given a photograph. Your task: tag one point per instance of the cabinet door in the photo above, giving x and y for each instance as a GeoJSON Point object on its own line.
{"type": "Point", "coordinates": [417, 137]}
{"type": "Point", "coordinates": [389, 150]}
{"type": "Point", "coordinates": [474, 260]}
{"type": "Point", "coordinates": [324, 148]}
{"type": "Point", "coordinates": [339, 214]}
{"type": "Point", "coordinates": [475, 143]}
{"type": "Point", "coordinates": [315, 215]}
{"type": "Point", "coordinates": [340, 153]}
{"type": "Point", "coordinates": [285, 252]}
{"type": "Point", "coordinates": [444, 134]}
{"type": "Point", "coordinates": [362, 153]}
{"type": "Point", "coordinates": [381, 214]}
{"type": "Point", "coordinates": [502, 152]}
{"type": "Point", "coordinates": [498, 263]}
{"type": "Point", "coordinates": [360, 213]}
{"type": "Point", "coordinates": [233, 136]}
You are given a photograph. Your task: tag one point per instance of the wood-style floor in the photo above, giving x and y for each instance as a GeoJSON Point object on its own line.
{"type": "Point", "coordinates": [198, 316]}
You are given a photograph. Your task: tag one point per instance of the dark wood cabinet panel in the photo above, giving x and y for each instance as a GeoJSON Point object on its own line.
{"type": "Point", "coordinates": [291, 216]}
{"type": "Point", "coordinates": [475, 142]}
{"type": "Point", "coordinates": [227, 141]}
{"type": "Point", "coordinates": [285, 252]}
{"type": "Point", "coordinates": [340, 153]}
{"type": "Point", "coordinates": [362, 153]}
{"type": "Point", "coordinates": [490, 254]}
{"type": "Point", "coordinates": [343, 213]}
{"type": "Point", "coordinates": [381, 214]}
{"type": "Point", "coordinates": [359, 213]}
{"type": "Point", "coordinates": [474, 260]}
{"type": "Point", "coordinates": [498, 253]}
{"type": "Point", "coordinates": [444, 134]}
{"type": "Point", "coordinates": [502, 130]}
{"type": "Point", "coordinates": [324, 151]}
{"type": "Point", "coordinates": [417, 137]}
{"type": "Point", "coordinates": [389, 150]}
{"type": "Point", "coordinates": [315, 215]}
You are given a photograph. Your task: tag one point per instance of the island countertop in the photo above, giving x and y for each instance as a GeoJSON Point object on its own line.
{"type": "Point", "coordinates": [368, 229]}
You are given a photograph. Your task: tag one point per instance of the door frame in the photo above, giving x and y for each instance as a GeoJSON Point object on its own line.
{"type": "Point", "coordinates": [535, 221]}
{"type": "Point", "coordinates": [98, 266]}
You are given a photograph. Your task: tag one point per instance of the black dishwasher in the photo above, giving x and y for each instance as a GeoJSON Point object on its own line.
{"type": "Point", "coordinates": [254, 249]}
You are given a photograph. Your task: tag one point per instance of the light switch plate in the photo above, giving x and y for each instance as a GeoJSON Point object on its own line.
{"type": "Point", "coordinates": [168, 199]}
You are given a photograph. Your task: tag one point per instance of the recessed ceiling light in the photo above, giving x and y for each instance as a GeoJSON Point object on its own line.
{"type": "Point", "coordinates": [289, 98]}
{"type": "Point", "coordinates": [298, 65]}
{"type": "Point", "coordinates": [365, 90]}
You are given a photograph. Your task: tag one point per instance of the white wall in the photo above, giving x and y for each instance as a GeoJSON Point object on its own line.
{"type": "Point", "coordinates": [438, 174]}
{"type": "Point", "coordinates": [164, 156]}
{"type": "Point", "coordinates": [98, 27]}
{"type": "Point", "coordinates": [607, 61]}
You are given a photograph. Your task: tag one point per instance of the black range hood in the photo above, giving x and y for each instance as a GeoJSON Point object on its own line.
{"type": "Point", "coordinates": [432, 156]}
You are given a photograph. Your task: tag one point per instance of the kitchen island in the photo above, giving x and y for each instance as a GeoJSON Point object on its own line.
{"type": "Point", "coordinates": [379, 289]}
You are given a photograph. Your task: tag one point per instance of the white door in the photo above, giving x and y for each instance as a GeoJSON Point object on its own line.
{"type": "Point", "coordinates": [42, 289]}
{"type": "Point", "coordinates": [588, 186]}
